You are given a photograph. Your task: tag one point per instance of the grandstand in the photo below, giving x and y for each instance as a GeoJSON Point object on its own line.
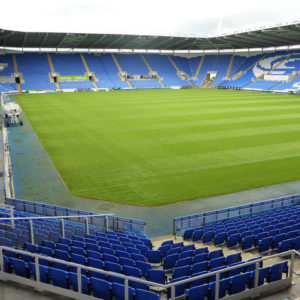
{"type": "Point", "coordinates": [237, 252]}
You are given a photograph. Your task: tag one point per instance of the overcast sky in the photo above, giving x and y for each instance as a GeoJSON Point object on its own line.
{"type": "Point", "coordinates": [156, 17]}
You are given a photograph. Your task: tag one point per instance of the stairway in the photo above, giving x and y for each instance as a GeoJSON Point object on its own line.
{"type": "Point", "coordinates": [230, 66]}
{"type": "Point", "coordinates": [17, 71]}
{"type": "Point", "coordinates": [87, 69]}
{"type": "Point", "coordinates": [52, 69]}
{"type": "Point", "coordinates": [199, 66]}
{"type": "Point", "coordinates": [150, 69]}
{"type": "Point", "coordinates": [120, 69]}
{"type": "Point", "coordinates": [178, 71]}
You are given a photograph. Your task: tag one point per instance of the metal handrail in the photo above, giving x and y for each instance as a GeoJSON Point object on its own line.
{"type": "Point", "coordinates": [291, 253]}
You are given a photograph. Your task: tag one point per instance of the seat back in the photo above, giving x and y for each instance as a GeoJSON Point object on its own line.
{"type": "Point", "coordinates": [146, 295]}
{"type": "Point", "coordinates": [59, 277]}
{"type": "Point", "coordinates": [118, 291]}
{"type": "Point", "coordinates": [158, 276]}
{"type": "Point", "coordinates": [197, 292]}
{"type": "Point", "coordinates": [101, 288]}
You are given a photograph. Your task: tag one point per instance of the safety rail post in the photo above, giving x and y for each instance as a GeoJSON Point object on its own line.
{"type": "Point", "coordinates": [292, 265]}
{"type": "Point", "coordinates": [62, 227]}
{"type": "Point", "coordinates": [87, 226]}
{"type": "Point", "coordinates": [31, 232]}
{"type": "Point", "coordinates": [37, 268]}
{"type": "Point", "coordinates": [126, 289]}
{"type": "Point", "coordinates": [174, 228]}
{"type": "Point", "coordinates": [106, 223]}
{"type": "Point", "coordinates": [256, 274]}
{"type": "Point", "coordinates": [1, 260]}
{"type": "Point", "coordinates": [173, 292]}
{"type": "Point", "coordinates": [217, 286]}
{"type": "Point", "coordinates": [79, 280]}
{"type": "Point", "coordinates": [12, 221]}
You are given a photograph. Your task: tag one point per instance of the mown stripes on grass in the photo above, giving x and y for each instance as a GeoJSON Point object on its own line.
{"type": "Point", "coordinates": [157, 147]}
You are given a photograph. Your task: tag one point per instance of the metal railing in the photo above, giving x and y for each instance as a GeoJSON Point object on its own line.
{"type": "Point", "coordinates": [10, 215]}
{"type": "Point", "coordinates": [85, 219]}
{"type": "Point", "coordinates": [112, 222]}
{"type": "Point", "coordinates": [164, 287]}
{"type": "Point", "coordinates": [196, 220]}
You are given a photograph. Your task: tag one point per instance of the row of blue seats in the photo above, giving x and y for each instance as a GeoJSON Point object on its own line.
{"type": "Point", "coordinates": [235, 284]}
{"type": "Point", "coordinates": [259, 218]}
{"type": "Point", "coordinates": [97, 287]}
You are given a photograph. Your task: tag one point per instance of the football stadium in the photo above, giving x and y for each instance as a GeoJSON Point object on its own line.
{"type": "Point", "coordinates": [150, 166]}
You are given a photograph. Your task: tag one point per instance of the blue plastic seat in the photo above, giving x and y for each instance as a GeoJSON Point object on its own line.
{"type": "Point", "coordinates": [46, 251]}
{"type": "Point", "coordinates": [138, 257]}
{"type": "Point", "coordinates": [146, 295]}
{"type": "Point", "coordinates": [143, 249]}
{"type": "Point", "coordinates": [59, 277]}
{"type": "Point", "coordinates": [174, 251]}
{"type": "Point", "coordinates": [158, 276]}
{"type": "Point", "coordinates": [31, 247]}
{"type": "Point", "coordinates": [59, 254]}
{"type": "Point", "coordinates": [208, 236]}
{"type": "Point", "coordinates": [202, 250]}
{"type": "Point", "coordinates": [285, 245]}
{"type": "Point", "coordinates": [154, 256]}
{"type": "Point", "coordinates": [236, 271]}
{"type": "Point", "coordinates": [277, 239]}
{"type": "Point", "coordinates": [20, 267]}
{"type": "Point", "coordinates": [199, 267]}
{"type": "Point", "coordinates": [200, 258]}
{"type": "Point", "coordinates": [223, 287]}
{"type": "Point", "coordinates": [179, 289]}
{"type": "Point", "coordinates": [168, 242]}
{"type": "Point", "coordinates": [276, 271]}
{"type": "Point", "coordinates": [95, 263]}
{"type": "Point", "coordinates": [185, 254]}
{"type": "Point", "coordinates": [43, 272]}
{"type": "Point", "coordinates": [188, 247]}
{"type": "Point", "coordinates": [118, 291]}
{"type": "Point", "coordinates": [73, 280]}
{"type": "Point", "coordinates": [184, 262]}
{"type": "Point", "coordinates": [200, 281]}
{"type": "Point", "coordinates": [126, 261]}
{"type": "Point", "coordinates": [233, 258]}
{"type": "Point", "coordinates": [48, 244]}
{"type": "Point", "coordinates": [181, 272]}
{"type": "Point", "coordinates": [233, 240]}
{"type": "Point", "coordinates": [164, 250]}
{"type": "Point", "coordinates": [263, 274]}
{"type": "Point", "coordinates": [188, 234]}
{"type": "Point", "coordinates": [79, 244]}
{"type": "Point", "coordinates": [78, 259]}
{"type": "Point", "coordinates": [113, 267]}
{"type": "Point", "coordinates": [220, 238]}
{"type": "Point", "coordinates": [65, 241]}
{"type": "Point", "coordinates": [169, 261]}
{"type": "Point", "coordinates": [296, 243]}
{"type": "Point", "coordinates": [92, 246]}
{"type": "Point", "coordinates": [132, 271]}
{"type": "Point", "coordinates": [78, 250]}
{"type": "Point", "coordinates": [110, 258]}
{"type": "Point", "coordinates": [144, 267]}
{"type": "Point", "coordinates": [265, 244]}
{"type": "Point", "coordinates": [197, 235]}
{"type": "Point", "coordinates": [63, 247]}
{"type": "Point", "coordinates": [147, 243]}
{"type": "Point", "coordinates": [93, 254]}
{"type": "Point", "coordinates": [216, 262]}
{"type": "Point", "coordinates": [105, 245]}
{"type": "Point", "coordinates": [247, 242]}
{"type": "Point", "coordinates": [215, 254]}
{"type": "Point", "coordinates": [239, 282]}
{"type": "Point", "coordinates": [197, 292]}
{"type": "Point", "coordinates": [101, 288]}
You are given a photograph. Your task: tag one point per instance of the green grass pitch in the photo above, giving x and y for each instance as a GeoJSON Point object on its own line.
{"type": "Point", "coordinates": [161, 146]}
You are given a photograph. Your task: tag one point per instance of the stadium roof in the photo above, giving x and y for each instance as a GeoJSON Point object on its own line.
{"type": "Point", "coordinates": [277, 36]}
